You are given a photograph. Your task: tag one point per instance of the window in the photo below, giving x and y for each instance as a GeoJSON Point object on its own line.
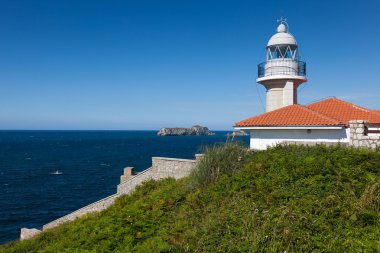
{"type": "Point", "coordinates": [280, 52]}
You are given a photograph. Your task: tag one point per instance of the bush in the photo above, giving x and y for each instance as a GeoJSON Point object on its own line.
{"type": "Point", "coordinates": [288, 198]}
{"type": "Point", "coordinates": [219, 159]}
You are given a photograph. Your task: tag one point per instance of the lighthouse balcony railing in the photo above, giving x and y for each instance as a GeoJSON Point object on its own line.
{"type": "Point", "coordinates": [289, 68]}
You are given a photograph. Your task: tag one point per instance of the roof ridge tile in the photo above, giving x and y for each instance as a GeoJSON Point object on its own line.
{"type": "Point", "coordinates": [344, 111]}
{"type": "Point", "coordinates": [291, 115]}
{"type": "Point", "coordinates": [321, 114]}
{"type": "Point", "coordinates": [331, 111]}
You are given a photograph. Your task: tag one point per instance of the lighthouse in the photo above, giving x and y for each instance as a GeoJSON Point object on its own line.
{"type": "Point", "coordinates": [282, 72]}
{"type": "Point", "coordinates": [329, 121]}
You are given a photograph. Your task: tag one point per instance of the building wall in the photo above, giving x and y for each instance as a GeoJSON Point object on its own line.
{"type": "Point", "coordinates": [262, 138]}
{"type": "Point", "coordinates": [280, 93]}
{"type": "Point", "coordinates": [359, 134]}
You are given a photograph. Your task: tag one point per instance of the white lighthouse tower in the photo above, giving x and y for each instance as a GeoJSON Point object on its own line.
{"type": "Point", "coordinates": [282, 72]}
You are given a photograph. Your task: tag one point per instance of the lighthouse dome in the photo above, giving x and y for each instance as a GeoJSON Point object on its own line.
{"type": "Point", "coordinates": [282, 37]}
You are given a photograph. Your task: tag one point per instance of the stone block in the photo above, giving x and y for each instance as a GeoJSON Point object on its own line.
{"type": "Point", "coordinates": [199, 157]}
{"type": "Point", "coordinates": [28, 233]}
{"type": "Point", "coordinates": [129, 171]}
{"type": "Point", "coordinates": [359, 130]}
{"type": "Point", "coordinates": [123, 178]}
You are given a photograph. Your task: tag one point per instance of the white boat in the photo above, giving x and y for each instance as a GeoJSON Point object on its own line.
{"type": "Point", "coordinates": [57, 172]}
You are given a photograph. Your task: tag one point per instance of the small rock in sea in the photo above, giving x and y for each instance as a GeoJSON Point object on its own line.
{"type": "Point", "coordinates": [237, 133]}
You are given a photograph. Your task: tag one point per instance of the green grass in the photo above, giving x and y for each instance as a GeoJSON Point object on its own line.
{"type": "Point", "coordinates": [288, 198]}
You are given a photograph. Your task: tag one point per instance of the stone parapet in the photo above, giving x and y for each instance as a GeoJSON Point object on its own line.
{"type": "Point", "coordinates": [359, 135]}
{"type": "Point", "coordinates": [162, 167]}
{"type": "Point", "coordinates": [29, 233]}
{"type": "Point", "coordinates": [94, 207]}
{"type": "Point", "coordinates": [130, 184]}
{"type": "Point", "coordinates": [199, 157]}
{"type": "Point", "coordinates": [171, 167]}
{"type": "Point", "coordinates": [128, 173]}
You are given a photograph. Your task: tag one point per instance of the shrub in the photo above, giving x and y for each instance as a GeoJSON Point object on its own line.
{"type": "Point", "coordinates": [219, 159]}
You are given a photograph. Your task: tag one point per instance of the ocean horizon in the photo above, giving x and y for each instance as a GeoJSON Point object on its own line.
{"type": "Point", "coordinates": [105, 130]}
{"type": "Point", "coordinates": [46, 174]}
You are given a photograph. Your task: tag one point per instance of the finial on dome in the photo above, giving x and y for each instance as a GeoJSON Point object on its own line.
{"type": "Point", "coordinates": [282, 27]}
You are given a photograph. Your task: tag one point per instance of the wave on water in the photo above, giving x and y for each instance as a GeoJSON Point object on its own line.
{"type": "Point", "coordinates": [57, 172]}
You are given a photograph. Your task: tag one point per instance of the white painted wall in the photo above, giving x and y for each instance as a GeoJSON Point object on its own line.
{"type": "Point", "coordinates": [281, 66]}
{"type": "Point", "coordinates": [280, 93]}
{"type": "Point", "coordinates": [262, 138]}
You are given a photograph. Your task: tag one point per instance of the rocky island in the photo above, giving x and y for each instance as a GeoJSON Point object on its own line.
{"type": "Point", "coordinates": [193, 131]}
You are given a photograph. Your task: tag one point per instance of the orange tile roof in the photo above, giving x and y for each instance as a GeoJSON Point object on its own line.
{"type": "Point", "coordinates": [292, 115]}
{"type": "Point", "coordinates": [328, 112]}
{"type": "Point", "coordinates": [344, 111]}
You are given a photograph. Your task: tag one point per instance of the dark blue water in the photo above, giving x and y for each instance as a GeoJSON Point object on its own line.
{"type": "Point", "coordinates": [91, 163]}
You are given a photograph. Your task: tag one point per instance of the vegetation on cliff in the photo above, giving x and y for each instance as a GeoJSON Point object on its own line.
{"type": "Point", "coordinates": [285, 199]}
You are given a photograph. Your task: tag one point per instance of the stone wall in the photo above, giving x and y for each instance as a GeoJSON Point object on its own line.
{"type": "Point", "coordinates": [162, 167]}
{"type": "Point", "coordinates": [172, 167]}
{"type": "Point", "coordinates": [131, 181]}
{"type": "Point", "coordinates": [359, 135]}
{"type": "Point", "coordinates": [29, 233]}
{"type": "Point", "coordinates": [92, 208]}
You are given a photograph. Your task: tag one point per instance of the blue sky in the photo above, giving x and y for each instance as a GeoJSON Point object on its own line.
{"type": "Point", "coordinates": [149, 64]}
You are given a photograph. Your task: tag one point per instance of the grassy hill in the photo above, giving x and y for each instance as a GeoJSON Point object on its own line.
{"type": "Point", "coordinates": [285, 199]}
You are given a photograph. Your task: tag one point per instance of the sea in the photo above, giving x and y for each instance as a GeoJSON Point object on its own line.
{"type": "Point", "coordinates": [47, 174]}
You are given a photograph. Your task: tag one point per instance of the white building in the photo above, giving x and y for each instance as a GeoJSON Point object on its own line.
{"type": "Point", "coordinates": [286, 121]}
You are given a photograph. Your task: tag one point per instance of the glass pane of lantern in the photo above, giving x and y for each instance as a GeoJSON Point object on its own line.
{"type": "Point", "coordinates": [288, 54]}
{"type": "Point", "coordinates": [282, 50]}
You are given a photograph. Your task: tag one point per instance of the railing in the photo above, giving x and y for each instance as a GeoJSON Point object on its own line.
{"type": "Point", "coordinates": [285, 67]}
